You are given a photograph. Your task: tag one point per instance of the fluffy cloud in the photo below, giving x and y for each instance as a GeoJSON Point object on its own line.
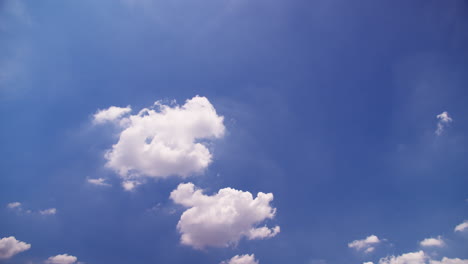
{"type": "Point", "coordinates": [224, 218]}
{"type": "Point", "coordinates": [420, 258]}
{"type": "Point", "coordinates": [450, 261]}
{"type": "Point", "coordinates": [367, 245]}
{"type": "Point", "coordinates": [432, 242]}
{"type": "Point", "coordinates": [110, 114]}
{"type": "Point", "coordinates": [164, 140]}
{"type": "Point", "coordinates": [241, 259]}
{"type": "Point", "coordinates": [62, 259]}
{"type": "Point", "coordinates": [444, 120]}
{"type": "Point", "coordinates": [408, 258]}
{"type": "Point", "coordinates": [370, 262]}
{"type": "Point", "coordinates": [50, 211]}
{"type": "Point", "coordinates": [9, 247]}
{"type": "Point", "coordinates": [98, 182]}
{"type": "Point", "coordinates": [462, 227]}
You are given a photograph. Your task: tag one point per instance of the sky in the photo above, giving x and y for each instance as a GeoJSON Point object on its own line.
{"type": "Point", "coordinates": [234, 131]}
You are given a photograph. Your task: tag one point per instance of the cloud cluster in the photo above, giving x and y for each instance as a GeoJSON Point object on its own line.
{"type": "Point", "coordinates": [444, 121]}
{"type": "Point", "coordinates": [163, 140]}
{"type": "Point", "coordinates": [367, 245]}
{"type": "Point", "coordinates": [419, 258]}
{"type": "Point", "coordinates": [222, 219]}
{"type": "Point", "coordinates": [62, 259]}
{"type": "Point", "coordinates": [241, 259]}
{"type": "Point", "coordinates": [9, 247]}
{"type": "Point", "coordinates": [18, 207]}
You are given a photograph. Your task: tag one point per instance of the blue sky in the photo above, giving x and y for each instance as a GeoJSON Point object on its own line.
{"type": "Point", "coordinates": [352, 114]}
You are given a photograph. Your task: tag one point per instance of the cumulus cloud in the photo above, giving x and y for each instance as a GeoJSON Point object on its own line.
{"type": "Point", "coordinates": [462, 227]}
{"type": "Point", "coordinates": [241, 259]}
{"type": "Point", "coordinates": [419, 258]}
{"type": "Point", "coordinates": [222, 219]}
{"type": "Point", "coordinates": [50, 211]}
{"type": "Point", "coordinates": [62, 259]}
{"type": "Point", "coordinates": [98, 182]}
{"type": "Point", "coordinates": [163, 140]}
{"type": "Point", "coordinates": [444, 121]}
{"type": "Point", "coordinates": [9, 247]}
{"type": "Point", "coordinates": [432, 242]}
{"type": "Point", "coordinates": [367, 245]}
{"type": "Point", "coordinates": [446, 260]}
{"type": "Point", "coordinates": [263, 232]}
{"type": "Point", "coordinates": [408, 258]}
{"type": "Point", "coordinates": [14, 205]}
{"type": "Point", "coordinates": [110, 114]}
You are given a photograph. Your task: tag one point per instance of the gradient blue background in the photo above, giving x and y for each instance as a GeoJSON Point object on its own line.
{"type": "Point", "coordinates": [329, 104]}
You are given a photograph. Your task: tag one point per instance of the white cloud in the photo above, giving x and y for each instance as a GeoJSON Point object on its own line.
{"type": "Point", "coordinates": [432, 242]}
{"type": "Point", "coordinates": [222, 219]}
{"type": "Point", "coordinates": [367, 245]}
{"type": "Point", "coordinates": [408, 258]}
{"type": "Point", "coordinates": [444, 120]}
{"type": "Point", "coordinates": [9, 247]}
{"type": "Point", "coordinates": [241, 259]}
{"type": "Point", "coordinates": [420, 258]}
{"type": "Point", "coordinates": [98, 182]}
{"type": "Point", "coordinates": [370, 262]}
{"type": "Point", "coordinates": [450, 261]}
{"type": "Point", "coordinates": [130, 185]}
{"type": "Point", "coordinates": [62, 259]}
{"type": "Point", "coordinates": [110, 114]}
{"type": "Point", "coordinates": [462, 227]}
{"type": "Point", "coordinates": [263, 232]}
{"type": "Point", "coordinates": [164, 140]}
{"type": "Point", "coordinates": [14, 205]}
{"type": "Point", "coordinates": [50, 211]}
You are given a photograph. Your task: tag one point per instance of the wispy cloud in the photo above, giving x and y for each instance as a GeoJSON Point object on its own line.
{"type": "Point", "coordinates": [444, 121]}
{"type": "Point", "coordinates": [98, 182]}
{"type": "Point", "coordinates": [50, 211]}
{"type": "Point", "coordinates": [14, 205]}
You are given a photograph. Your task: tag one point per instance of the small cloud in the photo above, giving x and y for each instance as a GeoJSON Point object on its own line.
{"type": "Point", "coordinates": [62, 259]}
{"type": "Point", "coordinates": [263, 232]}
{"type": "Point", "coordinates": [14, 205]}
{"type": "Point", "coordinates": [110, 114]}
{"type": "Point", "coordinates": [370, 262]}
{"type": "Point", "coordinates": [432, 242]}
{"type": "Point", "coordinates": [241, 259]}
{"type": "Point", "coordinates": [9, 247]}
{"type": "Point", "coordinates": [462, 227]}
{"type": "Point", "coordinates": [98, 182]}
{"type": "Point", "coordinates": [50, 211]}
{"type": "Point", "coordinates": [130, 185]}
{"type": "Point", "coordinates": [444, 121]}
{"type": "Point", "coordinates": [366, 245]}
